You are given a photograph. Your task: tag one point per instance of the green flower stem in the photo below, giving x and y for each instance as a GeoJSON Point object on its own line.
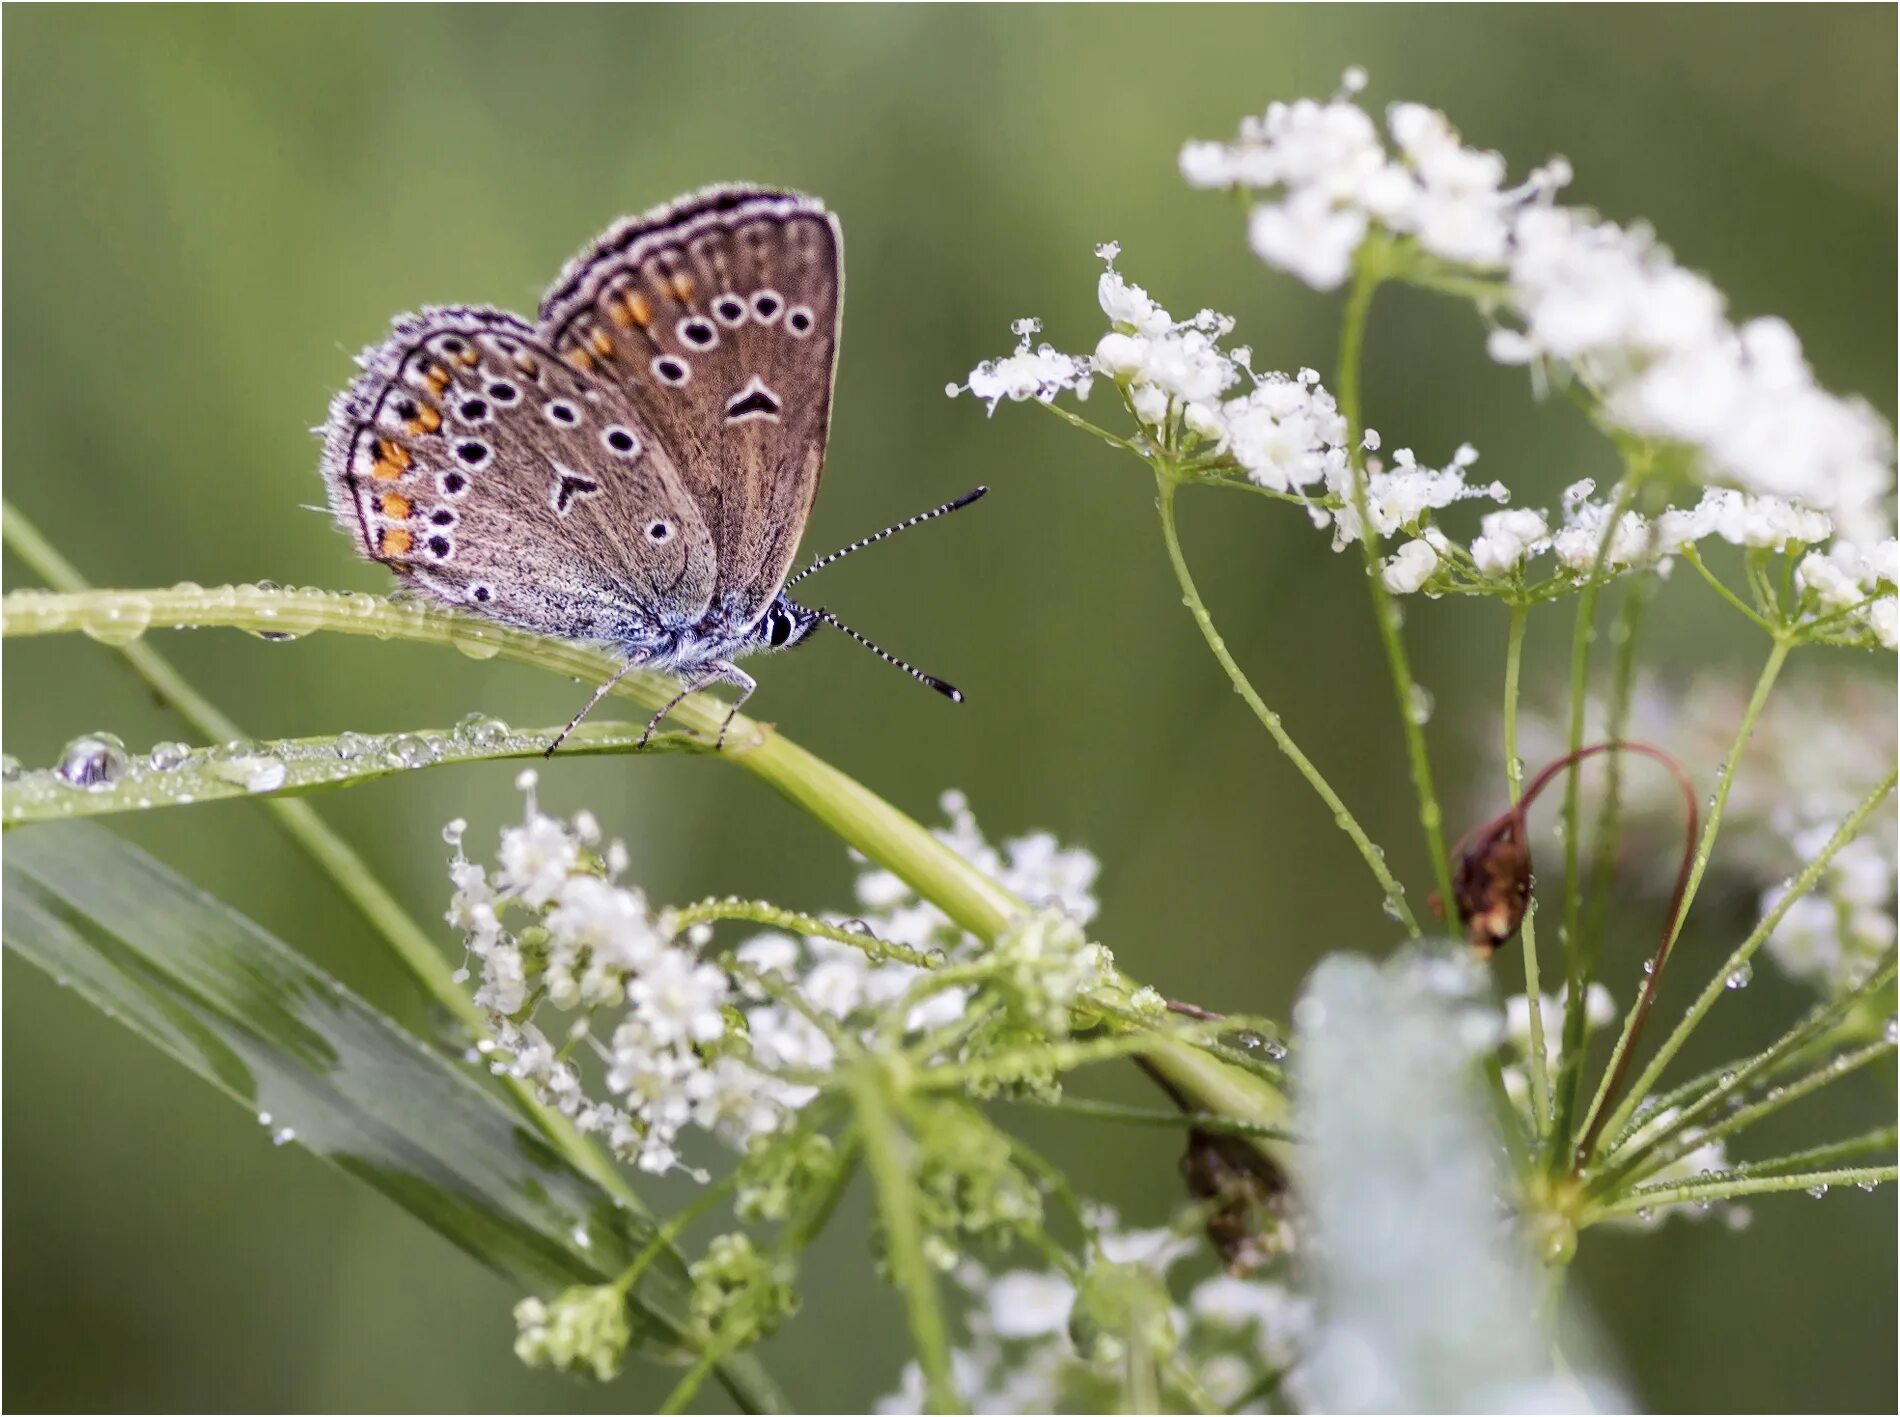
{"type": "Point", "coordinates": [1863, 1144]}
{"type": "Point", "coordinates": [1342, 816]}
{"type": "Point", "coordinates": [851, 811]}
{"type": "Point", "coordinates": [1777, 1098]}
{"type": "Point", "coordinates": [687, 1388]}
{"type": "Point", "coordinates": [1577, 977]}
{"type": "Point", "coordinates": [1154, 1117]}
{"type": "Point", "coordinates": [1369, 272]}
{"type": "Point", "coordinates": [1694, 557]}
{"type": "Point", "coordinates": [884, 1145]}
{"type": "Point", "coordinates": [299, 821]}
{"type": "Point", "coordinates": [763, 912]}
{"type": "Point", "coordinates": [1648, 1197]}
{"type": "Point", "coordinates": [1619, 1164]}
{"type": "Point", "coordinates": [1705, 848]}
{"type": "Point", "coordinates": [1514, 778]}
{"type": "Point", "coordinates": [1717, 986]}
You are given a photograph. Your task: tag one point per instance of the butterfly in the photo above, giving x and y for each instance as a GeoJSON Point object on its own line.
{"type": "Point", "coordinates": [635, 468]}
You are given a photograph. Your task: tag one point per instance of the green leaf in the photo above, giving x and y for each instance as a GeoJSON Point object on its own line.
{"type": "Point", "coordinates": [252, 1017]}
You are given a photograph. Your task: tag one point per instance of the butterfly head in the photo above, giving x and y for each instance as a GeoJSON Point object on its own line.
{"type": "Point", "coordinates": [787, 623]}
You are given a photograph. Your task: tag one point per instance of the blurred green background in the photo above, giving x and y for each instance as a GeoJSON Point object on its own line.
{"type": "Point", "coordinates": [208, 210]}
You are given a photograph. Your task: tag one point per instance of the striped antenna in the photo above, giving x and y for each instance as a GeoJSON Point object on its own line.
{"type": "Point", "coordinates": [949, 691]}
{"type": "Point", "coordinates": [918, 520]}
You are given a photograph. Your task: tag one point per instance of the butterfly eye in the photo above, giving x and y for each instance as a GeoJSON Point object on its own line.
{"type": "Point", "coordinates": [730, 310]}
{"type": "Point", "coordinates": [503, 392]}
{"type": "Point", "coordinates": [766, 306]}
{"type": "Point", "coordinates": [698, 332]}
{"type": "Point", "coordinates": [619, 440]}
{"type": "Point", "coordinates": [562, 412]}
{"type": "Point", "coordinates": [473, 412]}
{"type": "Point", "coordinates": [670, 371]}
{"type": "Point", "coordinates": [473, 452]}
{"type": "Point", "coordinates": [798, 320]}
{"type": "Point", "coordinates": [658, 531]}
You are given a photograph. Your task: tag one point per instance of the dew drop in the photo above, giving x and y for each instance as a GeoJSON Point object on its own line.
{"type": "Point", "coordinates": [168, 757]}
{"type": "Point", "coordinates": [1393, 909]}
{"type": "Point", "coordinates": [352, 746]}
{"type": "Point", "coordinates": [1892, 1031]}
{"type": "Point", "coordinates": [1727, 1079]}
{"type": "Point", "coordinates": [283, 1136]}
{"type": "Point", "coordinates": [580, 1236]}
{"type": "Point", "coordinates": [409, 750]}
{"type": "Point", "coordinates": [253, 771]}
{"type": "Point", "coordinates": [263, 1119]}
{"type": "Point", "coordinates": [93, 761]}
{"type": "Point", "coordinates": [482, 732]}
{"type": "Point", "coordinates": [1739, 1217]}
{"type": "Point", "coordinates": [9, 768]}
{"type": "Point", "coordinates": [1866, 1185]}
{"type": "Point", "coordinates": [1419, 705]}
{"type": "Point", "coordinates": [1817, 1191]}
{"type": "Point", "coordinates": [1646, 1214]}
{"type": "Point", "coordinates": [1740, 976]}
{"type": "Point", "coordinates": [474, 639]}
{"type": "Point", "coordinates": [119, 623]}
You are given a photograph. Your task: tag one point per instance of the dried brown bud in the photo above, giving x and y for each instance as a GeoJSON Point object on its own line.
{"type": "Point", "coordinates": [1491, 883]}
{"type": "Point", "coordinates": [1247, 1199]}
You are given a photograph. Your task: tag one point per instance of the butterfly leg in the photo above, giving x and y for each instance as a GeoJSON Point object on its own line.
{"type": "Point", "coordinates": [717, 672]}
{"type": "Point", "coordinates": [632, 663]}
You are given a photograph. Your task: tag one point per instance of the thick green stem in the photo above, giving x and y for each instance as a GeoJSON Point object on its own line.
{"type": "Point", "coordinates": [884, 1143]}
{"type": "Point", "coordinates": [1342, 815]}
{"type": "Point", "coordinates": [1514, 778]}
{"type": "Point", "coordinates": [851, 811]}
{"type": "Point", "coordinates": [1816, 1182]}
{"type": "Point", "coordinates": [1368, 274]}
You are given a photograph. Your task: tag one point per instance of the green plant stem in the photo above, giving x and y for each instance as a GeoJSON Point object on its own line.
{"type": "Point", "coordinates": [1369, 271]}
{"type": "Point", "coordinates": [763, 912]}
{"type": "Point", "coordinates": [1648, 1197]}
{"type": "Point", "coordinates": [1568, 1094]}
{"type": "Point", "coordinates": [1342, 815]}
{"type": "Point", "coordinates": [845, 807]}
{"type": "Point", "coordinates": [884, 1141]}
{"type": "Point", "coordinates": [1153, 1117]}
{"type": "Point", "coordinates": [1872, 1140]}
{"type": "Point", "coordinates": [1705, 849]}
{"type": "Point", "coordinates": [1743, 953]}
{"type": "Point", "coordinates": [1514, 778]}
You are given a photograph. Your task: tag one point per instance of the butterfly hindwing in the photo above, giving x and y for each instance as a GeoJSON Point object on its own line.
{"type": "Point", "coordinates": [717, 319]}
{"type": "Point", "coordinates": [480, 466]}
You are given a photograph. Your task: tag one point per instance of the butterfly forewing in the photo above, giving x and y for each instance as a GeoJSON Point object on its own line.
{"type": "Point", "coordinates": [717, 320]}
{"type": "Point", "coordinates": [474, 461]}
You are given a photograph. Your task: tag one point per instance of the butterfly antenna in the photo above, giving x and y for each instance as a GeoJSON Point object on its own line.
{"type": "Point", "coordinates": [905, 525]}
{"type": "Point", "coordinates": [949, 691]}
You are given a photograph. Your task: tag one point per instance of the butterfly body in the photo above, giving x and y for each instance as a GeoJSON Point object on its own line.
{"type": "Point", "coordinates": [634, 468]}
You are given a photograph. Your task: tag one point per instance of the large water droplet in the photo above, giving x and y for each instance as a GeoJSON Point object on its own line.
{"type": "Point", "coordinates": [94, 761]}
{"type": "Point", "coordinates": [168, 757]}
{"type": "Point", "coordinates": [408, 750]}
{"type": "Point", "coordinates": [353, 746]}
{"type": "Point", "coordinates": [482, 732]}
{"type": "Point", "coordinates": [1419, 705]}
{"type": "Point", "coordinates": [474, 639]}
{"type": "Point", "coordinates": [119, 623]}
{"type": "Point", "coordinates": [253, 770]}
{"type": "Point", "coordinates": [1740, 976]}
{"type": "Point", "coordinates": [9, 768]}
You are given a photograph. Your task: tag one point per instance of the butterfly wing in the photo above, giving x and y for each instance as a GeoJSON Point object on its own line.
{"type": "Point", "coordinates": [478, 465]}
{"type": "Point", "coordinates": [717, 317]}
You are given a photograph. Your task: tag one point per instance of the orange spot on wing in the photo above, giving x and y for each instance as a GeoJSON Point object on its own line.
{"type": "Point", "coordinates": [579, 358]}
{"type": "Point", "coordinates": [603, 346]}
{"type": "Point", "coordinates": [394, 541]}
{"type": "Point", "coordinates": [427, 420]}
{"type": "Point", "coordinates": [683, 288]}
{"type": "Point", "coordinates": [639, 311]}
{"type": "Point", "coordinates": [437, 378]}
{"type": "Point", "coordinates": [392, 506]}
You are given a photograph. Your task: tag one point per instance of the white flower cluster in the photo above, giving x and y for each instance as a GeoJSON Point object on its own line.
{"type": "Point", "coordinates": [1607, 303]}
{"type": "Point", "coordinates": [1326, 177]}
{"type": "Point", "coordinates": [1039, 373]}
{"type": "Point", "coordinates": [690, 1041]}
{"type": "Point", "coordinates": [1021, 1357]}
{"type": "Point", "coordinates": [1812, 758]}
{"type": "Point", "coordinates": [672, 1057]}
